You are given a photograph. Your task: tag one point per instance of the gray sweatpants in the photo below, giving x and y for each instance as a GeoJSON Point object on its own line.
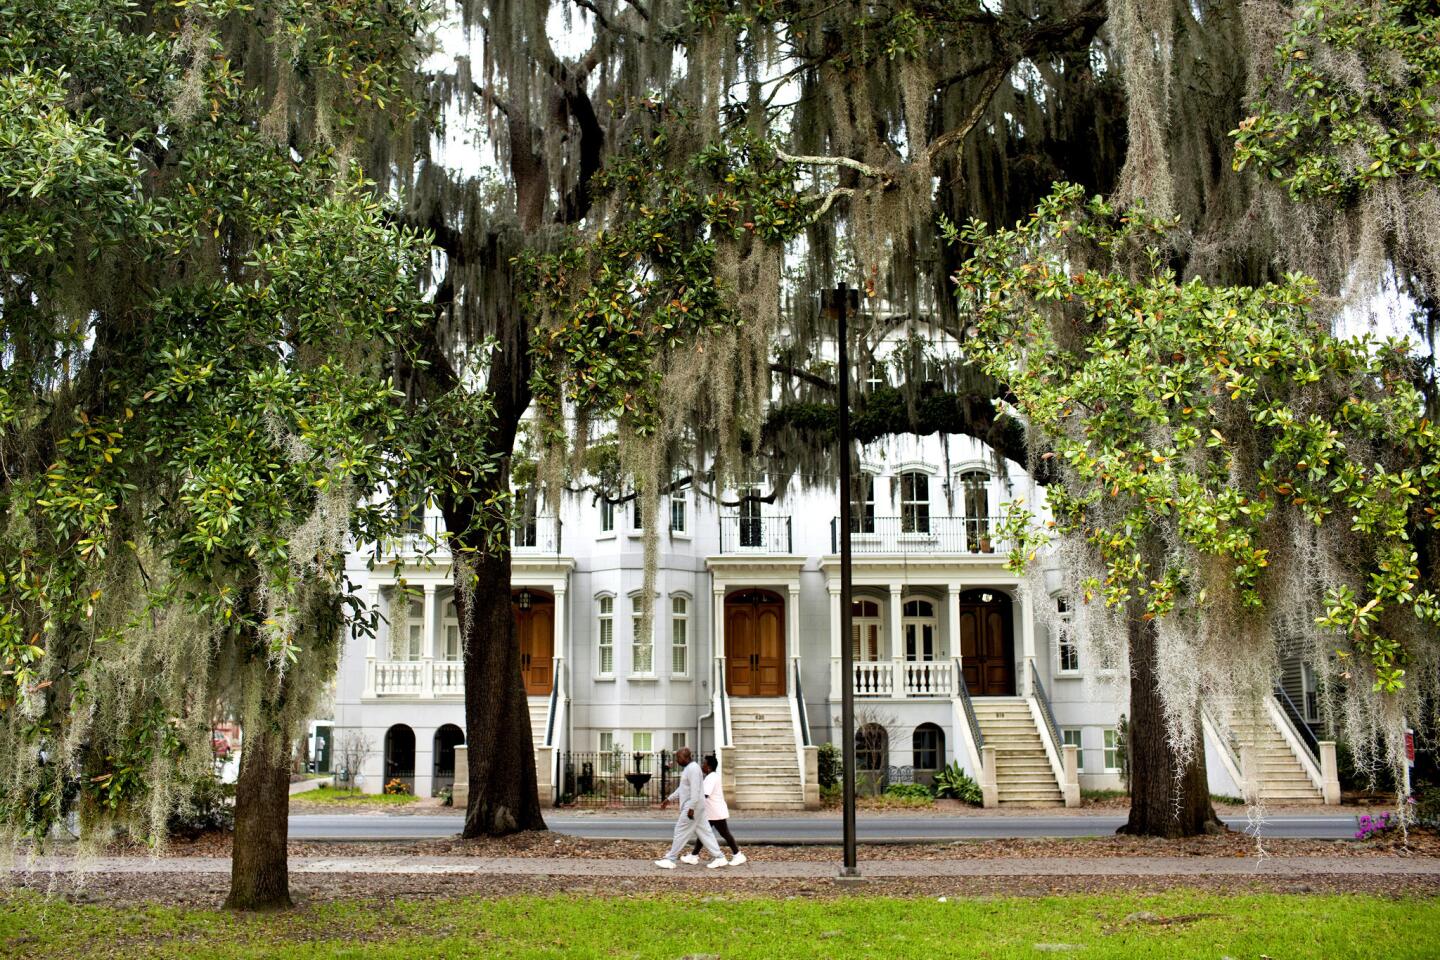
{"type": "Point", "coordinates": [686, 832]}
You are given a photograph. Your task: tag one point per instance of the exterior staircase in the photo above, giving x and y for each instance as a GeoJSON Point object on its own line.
{"type": "Point", "coordinates": [762, 755]}
{"type": "Point", "coordinates": [1267, 759]}
{"type": "Point", "coordinates": [539, 711]}
{"type": "Point", "coordinates": [1023, 775]}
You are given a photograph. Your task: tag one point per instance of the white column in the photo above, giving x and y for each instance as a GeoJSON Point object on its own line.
{"type": "Point", "coordinates": [836, 650]}
{"type": "Point", "coordinates": [952, 622]}
{"type": "Point", "coordinates": [792, 630]}
{"type": "Point", "coordinates": [717, 622]}
{"type": "Point", "coordinates": [427, 644]}
{"type": "Point", "coordinates": [1027, 637]}
{"type": "Point", "coordinates": [897, 644]}
{"type": "Point", "coordinates": [372, 598]}
{"type": "Point", "coordinates": [562, 623]}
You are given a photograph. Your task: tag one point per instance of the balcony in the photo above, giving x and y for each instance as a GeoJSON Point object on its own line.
{"type": "Point", "coordinates": [416, 678]}
{"type": "Point", "coordinates": [975, 536]}
{"type": "Point", "coordinates": [756, 534]}
{"type": "Point", "coordinates": [540, 536]}
{"type": "Point", "coordinates": [901, 679]}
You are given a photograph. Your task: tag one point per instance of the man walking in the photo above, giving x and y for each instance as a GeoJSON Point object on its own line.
{"type": "Point", "coordinates": [691, 823]}
{"type": "Point", "coordinates": [717, 811]}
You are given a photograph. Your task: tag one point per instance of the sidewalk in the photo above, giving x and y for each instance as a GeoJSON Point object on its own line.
{"type": "Point", "coordinates": [1029, 867]}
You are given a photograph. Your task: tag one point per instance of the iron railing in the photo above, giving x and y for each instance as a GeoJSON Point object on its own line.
{"type": "Point", "coordinates": [1302, 729]}
{"type": "Point", "coordinates": [538, 535]}
{"type": "Point", "coordinates": [554, 702]}
{"type": "Point", "coordinates": [921, 535]}
{"type": "Point", "coordinates": [617, 778]}
{"type": "Point", "coordinates": [1046, 712]}
{"type": "Point", "coordinates": [800, 705]}
{"type": "Point", "coordinates": [976, 736]}
{"type": "Point", "coordinates": [762, 534]}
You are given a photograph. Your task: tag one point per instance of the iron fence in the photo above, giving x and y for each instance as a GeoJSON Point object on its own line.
{"type": "Point", "coordinates": [755, 534]}
{"type": "Point", "coordinates": [617, 778]}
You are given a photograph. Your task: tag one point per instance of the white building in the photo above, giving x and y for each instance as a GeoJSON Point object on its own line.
{"type": "Point", "coordinates": [955, 660]}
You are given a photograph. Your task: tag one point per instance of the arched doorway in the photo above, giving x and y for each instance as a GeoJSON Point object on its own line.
{"type": "Point", "coordinates": [872, 759]}
{"type": "Point", "coordinates": [987, 643]}
{"type": "Point", "coordinates": [535, 632]}
{"type": "Point", "coordinates": [447, 738]}
{"type": "Point", "coordinates": [400, 756]}
{"type": "Point", "coordinates": [755, 644]}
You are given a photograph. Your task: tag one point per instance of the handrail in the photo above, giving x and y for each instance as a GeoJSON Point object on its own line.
{"type": "Point", "coordinates": [976, 736]}
{"type": "Point", "coordinates": [1302, 729]}
{"type": "Point", "coordinates": [722, 718]}
{"type": "Point", "coordinates": [800, 703]}
{"type": "Point", "coordinates": [554, 703]}
{"type": "Point", "coordinates": [1045, 710]}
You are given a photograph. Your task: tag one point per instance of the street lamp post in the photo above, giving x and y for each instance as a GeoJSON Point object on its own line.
{"type": "Point", "coordinates": [839, 302]}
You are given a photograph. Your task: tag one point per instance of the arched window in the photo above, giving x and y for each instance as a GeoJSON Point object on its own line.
{"type": "Point", "coordinates": [920, 630]}
{"type": "Point", "coordinates": [862, 508]}
{"type": "Point", "coordinates": [450, 629]}
{"type": "Point", "coordinates": [406, 637]}
{"type": "Point", "coordinates": [679, 636]}
{"type": "Point", "coordinates": [928, 744]}
{"type": "Point", "coordinates": [975, 495]}
{"type": "Point", "coordinates": [914, 502]}
{"type": "Point", "coordinates": [865, 630]}
{"type": "Point", "coordinates": [872, 747]}
{"type": "Point", "coordinates": [605, 635]}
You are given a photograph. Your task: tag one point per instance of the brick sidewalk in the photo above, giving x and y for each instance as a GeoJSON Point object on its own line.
{"type": "Point", "coordinates": [1278, 867]}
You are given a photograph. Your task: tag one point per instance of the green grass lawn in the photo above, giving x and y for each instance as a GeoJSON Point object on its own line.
{"type": "Point", "coordinates": [349, 798]}
{"type": "Point", "coordinates": [1178, 924]}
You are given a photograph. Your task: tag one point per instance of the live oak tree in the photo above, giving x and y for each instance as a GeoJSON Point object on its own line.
{"type": "Point", "coordinates": [1233, 480]}
{"type": "Point", "coordinates": [201, 300]}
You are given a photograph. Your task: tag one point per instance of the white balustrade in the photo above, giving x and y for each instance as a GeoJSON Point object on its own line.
{"type": "Point", "coordinates": [399, 677]}
{"type": "Point", "coordinates": [449, 678]}
{"type": "Point", "coordinates": [874, 679]}
{"type": "Point", "coordinates": [932, 678]}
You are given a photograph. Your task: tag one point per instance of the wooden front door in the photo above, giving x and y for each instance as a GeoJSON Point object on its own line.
{"type": "Point", "coordinates": [754, 644]}
{"type": "Point", "coordinates": [535, 630]}
{"type": "Point", "coordinates": [987, 645]}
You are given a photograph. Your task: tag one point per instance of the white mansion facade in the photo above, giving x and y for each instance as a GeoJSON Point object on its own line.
{"type": "Point", "coordinates": [957, 659]}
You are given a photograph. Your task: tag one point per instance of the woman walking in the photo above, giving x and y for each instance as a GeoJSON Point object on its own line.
{"type": "Point", "coordinates": [717, 811]}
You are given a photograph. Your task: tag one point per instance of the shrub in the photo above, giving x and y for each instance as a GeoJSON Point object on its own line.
{"type": "Point", "coordinates": [397, 788]}
{"type": "Point", "coordinates": [210, 806]}
{"type": "Point", "coordinates": [1426, 805]}
{"type": "Point", "coordinates": [830, 765]}
{"type": "Point", "coordinates": [953, 782]}
{"type": "Point", "coordinates": [909, 791]}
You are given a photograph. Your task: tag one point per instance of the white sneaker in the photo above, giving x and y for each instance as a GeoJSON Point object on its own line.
{"type": "Point", "coordinates": [717, 862]}
{"type": "Point", "coordinates": [665, 864]}
{"type": "Point", "coordinates": [738, 859]}
{"type": "Point", "coordinates": [690, 858]}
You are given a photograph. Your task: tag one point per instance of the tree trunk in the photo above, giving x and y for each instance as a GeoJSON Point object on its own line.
{"type": "Point", "coordinates": [259, 871]}
{"type": "Point", "coordinates": [1166, 800]}
{"type": "Point", "coordinates": [503, 795]}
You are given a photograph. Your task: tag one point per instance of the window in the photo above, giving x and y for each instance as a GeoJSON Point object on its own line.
{"type": "Point", "coordinates": [1067, 651]}
{"type": "Point", "coordinates": [752, 525]}
{"type": "Point", "coordinates": [914, 502]}
{"type": "Point", "coordinates": [637, 516]}
{"type": "Point", "coordinates": [874, 377]}
{"type": "Point", "coordinates": [609, 761]}
{"type": "Point", "coordinates": [406, 641]}
{"type": "Point", "coordinates": [1069, 736]}
{"type": "Point", "coordinates": [678, 507]}
{"type": "Point", "coordinates": [920, 628]}
{"type": "Point", "coordinates": [678, 739]}
{"type": "Point", "coordinates": [605, 637]}
{"type": "Point", "coordinates": [862, 508]}
{"type": "Point", "coordinates": [1112, 751]}
{"type": "Point", "coordinates": [525, 532]}
{"type": "Point", "coordinates": [453, 648]}
{"type": "Point", "coordinates": [872, 746]}
{"type": "Point", "coordinates": [642, 742]}
{"type": "Point", "coordinates": [865, 630]}
{"type": "Point", "coordinates": [1310, 688]}
{"type": "Point", "coordinates": [607, 516]}
{"type": "Point", "coordinates": [642, 646]}
{"type": "Point", "coordinates": [975, 495]}
{"type": "Point", "coordinates": [679, 637]}
{"type": "Point", "coordinates": [928, 744]}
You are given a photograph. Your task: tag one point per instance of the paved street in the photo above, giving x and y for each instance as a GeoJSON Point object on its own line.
{"type": "Point", "coordinates": [798, 829]}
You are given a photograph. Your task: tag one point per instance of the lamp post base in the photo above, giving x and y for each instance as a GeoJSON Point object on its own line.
{"type": "Point", "coordinates": [850, 877]}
